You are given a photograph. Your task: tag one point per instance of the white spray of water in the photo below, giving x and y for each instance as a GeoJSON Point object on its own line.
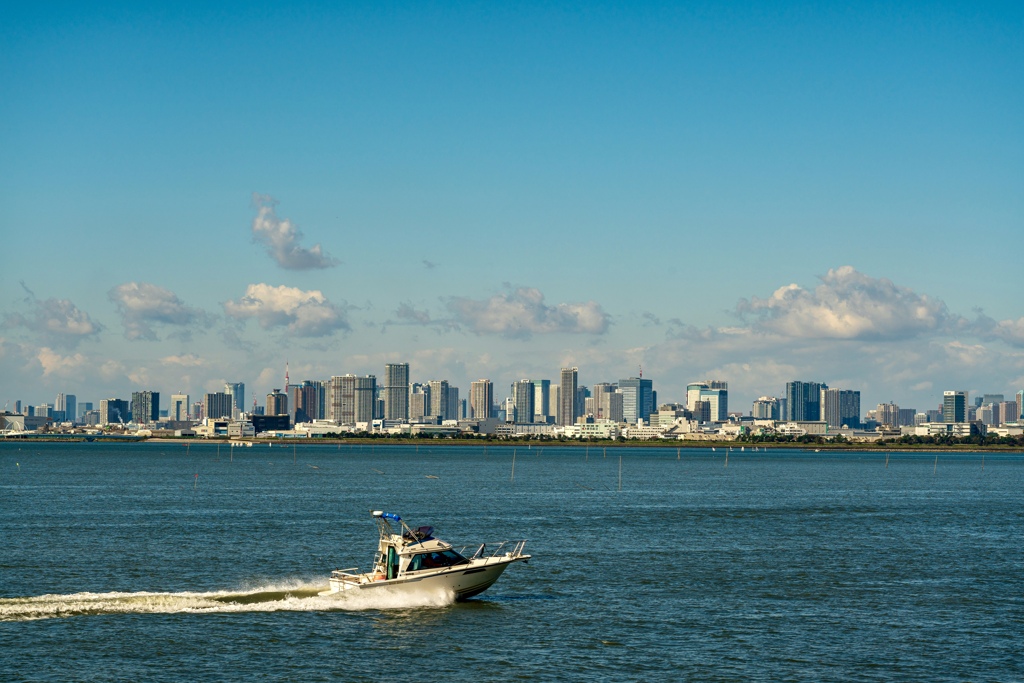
{"type": "Point", "coordinates": [294, 596]}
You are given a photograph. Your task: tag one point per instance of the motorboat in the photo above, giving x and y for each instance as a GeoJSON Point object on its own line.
{"type": "Point", "coordinates": [414, 560]}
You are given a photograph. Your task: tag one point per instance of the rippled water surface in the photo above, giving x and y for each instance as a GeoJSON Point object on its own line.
{"type": "Point", "coordinates": [166, 562]}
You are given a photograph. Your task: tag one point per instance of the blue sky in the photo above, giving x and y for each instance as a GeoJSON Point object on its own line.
{"type": "Point", "coordinates": [755, 192]}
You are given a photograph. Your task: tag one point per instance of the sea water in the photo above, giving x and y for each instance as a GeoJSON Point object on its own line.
{"type": "Point", "coordinates": [175, 562]}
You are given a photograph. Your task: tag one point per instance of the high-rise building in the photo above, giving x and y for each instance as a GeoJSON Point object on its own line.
{"type": "Point", "coordinates": [1020, 406]}
{"type": "Point", "coordinates": [1007, 412]}
{"type": "Point", "coordinates": [567, 396]}
{"type": "Point", "coordinates": [637, 399]}
{"type": "Point", "coordinates": [600, 393]}
{"type": "Point", "coordinates": [83, 408]}
{"type": "Point", "coordinates": [541, 400]}
{"type": "Point", "coordinates": [522, 402]}
{"type": "Point", "coordinates": [218, 405]}
{"type": "Point", "coordinates": [307, 401]}
{"type": "Point", "coordinates": [145, 406]}
{"type": "Point", "coordinates": [954, 406]}
{"type": "Point", "coordinates": [65, 408]}
{"type": "Point", "coordinates": [803, 401]}
{"type": "Point", "coordinates": [419, 401]}
{"type": "Point", "coordinates": [352, 398]}
{"type": "Point", "coordinates": [277, 403]}
{"type": "Point", "coordinates": [453, 403]}
{"type": "Point", "coordinates": [236, 390]}
{"type": "Point", "coordinates": [179, 408]}
{"type": "Point", "coordinates": [841, 408]}
{"type": "Point", "coordinates": [766, 408]}
{"type": "Point", "coordinates": [114, 411]}
{"type": "Point", "coordinates": [396, 391]}
{"type": "Point", "coordinates": [481, 399]}
{"type": "Point", "coordinates": [887, 414]}
{"type": "Point", "coordinates": [439, 398]}
{"type": "Point", "coordinates": [715, 392]}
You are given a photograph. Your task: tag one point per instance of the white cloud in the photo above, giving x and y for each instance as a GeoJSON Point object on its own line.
{"type": "Point", "coordinates": [56, 364]}
{"type": "Point", "coordinates": [848, 305]}
{"type": "Point", "coordinates": [523, 313]}
{"type": "Point", "coordinates": [281, 237]}
{"type": "Point", "coordinates": [143, 305]}
{"type": "Point", "coordinates": [187, 360]}
{"type": "Point", "coordinates": [305, 313]}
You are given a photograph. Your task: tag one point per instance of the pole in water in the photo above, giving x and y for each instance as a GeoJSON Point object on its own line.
{"type": "Point", "coordinates": [936, 467]}
{"type": "Point", "coordinates": [513, 465]}
{"type": "Point", "coordinates": [727, 458]}
{"type": "Point", "coordinates": [677, 453]}
{"type": "Point", "coordinates": [983, 460]}
{"type": "Point", "coordinates": [295, 457]}
{"type": "Point", "coordinates": [886, 461]}
{"type": "Point", "coordinates": [195, 482]}
{"type": "Point", "coordinates": [620, 472]}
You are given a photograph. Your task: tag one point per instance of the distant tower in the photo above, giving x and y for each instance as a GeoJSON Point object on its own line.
{"type": "Point", "coordinates": [287, 383]}
{"type": "Point", "coordinates": [481, 398]}
{"type": "Point", "coordinates": [396, 391]}
{"type": "Point", "coordinates": [567, 396]}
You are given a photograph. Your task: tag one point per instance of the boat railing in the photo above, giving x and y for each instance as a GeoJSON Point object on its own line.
{"type": "Point", "coordinates": [485, 550]}
{"type": "Point", "coordinates": [349, 574]}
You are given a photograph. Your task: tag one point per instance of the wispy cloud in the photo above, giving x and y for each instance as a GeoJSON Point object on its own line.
{"type": "Point", "coordinates": [281, 237]}
{"type": "Point", "coordinates": [304, 313]}
{"type": "Point", "coordinates": [143, 305]}
{"type": "Point", "coordinates": [521, 313]}
{"type": "Point", "coordinates": [57, 322]}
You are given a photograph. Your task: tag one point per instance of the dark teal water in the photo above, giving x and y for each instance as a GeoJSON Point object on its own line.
{"type": "Point", "coordinates": [118, 563]}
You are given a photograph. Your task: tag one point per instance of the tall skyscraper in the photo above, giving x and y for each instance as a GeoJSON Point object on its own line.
{"type": "Point", "coordinates": [114, 411]}
{"type": "Point", "coordinates": [65, 408]}
{"type": "Point", "coordinates": [803, 401]}
{"type": "Point", "coordinates": [841, 408]}
{"type": "Point", "coordinates": [453, 403]}
{"type": "Point", "coordinates": [567, 396]}
{"type": "Point", "coordinates": [541, 400]}
{"type": "Point", "coordinates": [887, 414]}
{"type": "Point", "coordinates": [236, 390]}
{"type": "Point", "coordinates": [145, 407]}
{"type": "Point", "coordinates": [714, 392]}
{"type": "Point", "coordinates": [637, 399]}
{"type": "Point", "coordinates": [277, 403]}
{"type": "Point", "coordinates": [307, 401]}
{"type": "Point", "coordinates": [522, 402]}
{"type": "Point", "coordinates": [439, 398]}
{"type": "Point", "coordinates": [419, 401]}
{"type": "Point", "coordinates": [352, 398]}
{"type": "Point", "coordinates": [954, 406]}
{"type": "Point", "coordinates": [218, 405]}
{"type": "Point", "coordinates": [481, 399]}
{"type": "Point", "coordinates": [396, 391]}
{"type": "Point", "coordinates": [766, 408]}
{"type": "Point", "coordinates": [178, 411]}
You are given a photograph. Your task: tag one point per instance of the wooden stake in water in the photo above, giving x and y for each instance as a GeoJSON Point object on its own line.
{"type": "Point", "coordinates": [677, 453]}
{"type": "Point", "coordinates": [727, 458]}
{"type": "Point", "coordinates": [886, 461]}
{"type": "Point", "coordinates": [983, 461]}
{"type": "Point", "coordinates": [620, 472]}
{"type": "Point", "coordinates": [513, 465]}
{"type": "Point", "coordinates": [936, 467]}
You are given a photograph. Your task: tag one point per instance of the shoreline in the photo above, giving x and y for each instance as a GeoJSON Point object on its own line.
{"type": "Point", "coordinates": [734, 447]}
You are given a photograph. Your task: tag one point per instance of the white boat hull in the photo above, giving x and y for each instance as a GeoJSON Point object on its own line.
{"type": "Point", "coordinates": [463, 581]}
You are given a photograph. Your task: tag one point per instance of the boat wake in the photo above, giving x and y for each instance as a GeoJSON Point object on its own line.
{"type": "Point", "coordinates": [290, 597]}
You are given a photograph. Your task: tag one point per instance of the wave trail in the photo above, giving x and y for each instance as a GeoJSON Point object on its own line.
{"type": "Point", "coordinates": [303, 597]}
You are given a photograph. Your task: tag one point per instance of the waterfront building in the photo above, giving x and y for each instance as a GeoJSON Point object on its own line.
{"type": "Point", "coordinates": [568, 384]}
{"type": "Point", "coordinates": [438, 398]}
{"type": "Point", "coordinates": [481, 399]}
{"type": "Point", "coordinates": [277, 403]}
{"type": "Point", "coordinates": [803, 401]}
{"type": "Point", "coordinates": [766, 408]}
{"type": "Point", "coordinates": [541, 400]}
{"type": "Point", "coordinates": [114, 411]}
{"type": "Point", "coordinates": [522, 402]}
{"type": "Point", "coordinates": [308, 401]}
{"type": "Point", "coordinates": [886, 414]}
{"type": "Point", "coordinates": [419, 401]}
{"type": "Point", "coordinates": [453, 403]}
{"type": "Point", "coordinates": [178, 411]}
{"type": "Point", "coordinates": [954, 406]}
{"type": "Point", "coordinates": [83, 408]}
{"type": "Point", "coordinates": [145, 407]}
{"type": "Point", "coordinates": [396, 391]}
{"type": "Point", "coordinates": [236, 390]}
{"type": "Point", "coordinates": [217, 405]}
{"type": "Point", "coordinates": [637, 399]}
{"type": "Point", "coordinates": [65, 408]}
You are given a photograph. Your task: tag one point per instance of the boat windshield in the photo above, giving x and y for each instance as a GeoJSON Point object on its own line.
{"type": "Point", "coordinates": [436, 560]}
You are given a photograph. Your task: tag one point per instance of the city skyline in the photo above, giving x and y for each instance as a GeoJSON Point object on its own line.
{"type": "Point", "coordinates": [197, 196]}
